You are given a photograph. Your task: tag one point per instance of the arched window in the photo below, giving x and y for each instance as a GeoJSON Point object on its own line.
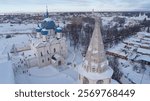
{"type": "Point", "coordinates": [54, 50]}
{"type": "Point", "coordinates": [100, 82]}
{"type": "Point", "coordinates": [47, 52]}
{"type": "Point", "coordinates": [85, 80]}
{"type": "Point", "coordinates": [42, 61]}
{"type": "Point", "coordinates": [41, 54]}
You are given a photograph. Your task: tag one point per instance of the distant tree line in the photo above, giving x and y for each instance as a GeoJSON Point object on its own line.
{"type": "Point", "coordinates": [81, 29]}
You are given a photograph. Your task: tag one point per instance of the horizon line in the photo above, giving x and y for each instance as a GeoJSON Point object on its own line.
{"type": "Point", "coordinates": [98, 11]}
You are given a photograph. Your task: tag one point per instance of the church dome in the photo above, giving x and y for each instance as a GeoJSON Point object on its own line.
{"type": "Point", "coordinates": [48, 23]}
{"type": "Point", "coordinates": [44, 32]}
{"type": "Point", "coordinates": [58, 29]}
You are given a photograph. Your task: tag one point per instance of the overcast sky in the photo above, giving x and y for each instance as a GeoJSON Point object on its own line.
{"type": "Point", "coordinates": [73, 5]}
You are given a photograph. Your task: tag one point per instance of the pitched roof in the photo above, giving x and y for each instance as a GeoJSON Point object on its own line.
{"type": "Point", "coordinates": [96, 53]}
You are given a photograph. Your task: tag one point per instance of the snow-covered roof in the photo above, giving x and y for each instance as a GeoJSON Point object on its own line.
{"type": "Point", "coordinates": [136, 43]}
{"type": "Point", "coordinates": [132, 55]}
{"type": "Point", "coordinates": [143, 34]}
{"type": "Point", "coordinates": [144, 51]}
{"type": "Point", "coordinates": [146, 39]}
{"type": "Point", "coordinates": [39, 43]}
{"type": "Point", "coordinates": [144, 57]}
{"type": "Point", "coordinates": [6, 73]}
{"type": "Point", "coordinates": [47, 19]}
{"type": "Point", "coordinates": [28, 54]}
{"type": "Point", "coordinates": [52, 41]}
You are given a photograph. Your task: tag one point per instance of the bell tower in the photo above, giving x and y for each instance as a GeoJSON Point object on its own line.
{"type": "Point", "coordinates": [95, 69]}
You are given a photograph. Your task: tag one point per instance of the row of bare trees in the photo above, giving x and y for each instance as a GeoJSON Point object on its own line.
{"type": "Point", "coordinates": [80, 32]}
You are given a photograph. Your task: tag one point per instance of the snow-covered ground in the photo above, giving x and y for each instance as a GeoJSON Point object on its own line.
{"type": "Point", "coordinates": [133, 75]}
{"type": "Point", "coordinates": [46, 75]}
{"type": "Point", "coordinates": [6, 70]}
{"type": "Point", "coordinates": [6, 73]}
{"type": "Point", "coordinates": [7, 28]}
{"type": "Point", "coordinates": [6, 44]}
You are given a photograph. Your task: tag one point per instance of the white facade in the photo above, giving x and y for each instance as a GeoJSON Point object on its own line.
{"type": "Point", "coordinates": [49, 47]}
{"type": "Point", "coordinates": [46, 49]}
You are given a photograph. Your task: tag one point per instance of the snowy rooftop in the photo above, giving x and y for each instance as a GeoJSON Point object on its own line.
{"type": "Point", "coordinates": [143, 34]}
{"type": "Point", "coordinates": [28, 54]}
{"type": "Point", "coordinates": [117, 49]}
{"type": "Point", "coordinates": [143, 57]}
{"type": "Point", "coordinates": [144, 51]}
{"type": "Point", "coordinates": [48, 19]}
{"type": "Point", "coordinates": [37, 42]}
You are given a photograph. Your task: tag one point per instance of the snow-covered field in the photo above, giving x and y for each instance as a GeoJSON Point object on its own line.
{"type": "Point", "coordinates": [6, 70]}
{"type": "Point", "coordinates": [7, 28]}
{"type": "Point", "coordinates": [6, 73]}
{"type": "Point", "coordinates": [6, 44]}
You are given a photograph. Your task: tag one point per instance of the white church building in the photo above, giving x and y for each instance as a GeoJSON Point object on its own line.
{"type": "Point", "coordinates": [49, 46]}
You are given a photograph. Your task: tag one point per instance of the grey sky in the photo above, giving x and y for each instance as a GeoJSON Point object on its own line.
{"type": "Point", "coordinates": [72, 5]}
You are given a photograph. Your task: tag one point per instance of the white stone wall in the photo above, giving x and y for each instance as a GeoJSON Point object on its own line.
{"type": "Point", "coordinates": [32, 62]}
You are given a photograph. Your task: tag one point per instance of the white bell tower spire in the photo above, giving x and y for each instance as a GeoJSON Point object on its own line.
{"type": "Point", "coordinates": [95, 69]}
